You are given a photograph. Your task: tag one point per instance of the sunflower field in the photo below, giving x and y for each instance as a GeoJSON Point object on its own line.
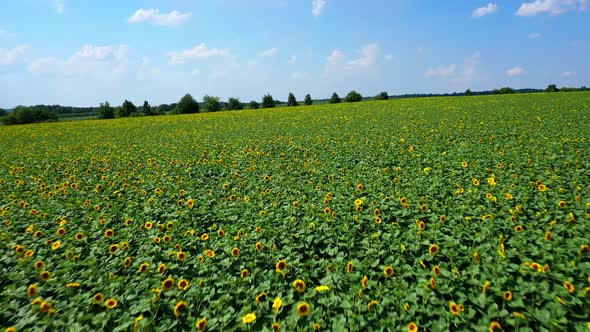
{"type": "Point", "coordinates": [462, 213]}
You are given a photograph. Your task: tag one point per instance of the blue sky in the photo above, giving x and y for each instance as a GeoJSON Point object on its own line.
{"type": "Point", "coordinates": [83, 52]}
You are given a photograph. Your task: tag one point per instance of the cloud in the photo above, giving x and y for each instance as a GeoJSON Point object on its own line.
{"type": "Point", "coordinates": [200, 51]}
{"type": "Point", "coordinates": [567, 74]}
{"type": "Point", "coordinates": [490, 8]}
{"type": "Point", "coordinates": [535, 35]}
{"type": "Point", "coordinates": [368, 56]}
{"type": "Point", "coordinates": [174, 18]}
{"type": "Point", "coordinates": [515, 71]}
{"type": "Point", "coordinates": [335, 57]}
{"type": "Point", "coordinates": [59, 6]}
{"type": "Point", "coordinates": [317, 7]}
{"type": "Point", "coordinates": [553, 7]}
{"type": "Point", "coordinates": [102, 52]}
{"type": "Point", "coordinates": [10, 56]}
{"type": "Point", "coordinates": [37, 65]}
{"type": "Point", "coordinates": [388, 57]}
{"type": "Point", "coordinates": [268, 53]}
{"type": "Point", "coordinates": [195, 72]}
{"type": "Point", "coordinates": [443, 71]}
{"type": "Point", "coordinates": [292, 60]}
{"type": "Point", "coordinates": [300, 75]}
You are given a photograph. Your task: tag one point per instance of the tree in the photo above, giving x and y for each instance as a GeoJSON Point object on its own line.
{"type": "Point", "coordinates": [233, 104]}
{"type": "Point", "coordinates": [126, 109]}
{"type": "Point", "coordinates": [105, 111]}
{"type": "Point", "coordinates": [468, 92]}
{"type": "Point", "coordinates": [308, 100]}
{"type": "Point", "coordinates": [2, 112]}
{"type": "Point", "coordinates": [353, 97]}
{"type": "Point", "coordinates": [291, 101]}
{"type": "Point", "coordinates": [268, 101]}
{"type": "Point", "coordinates": [24, 115]}
{"type": "Point", "coordinates": [254, 105]}
{"type": "Point", "coordinates": [211, 104]}
{"type": "Point", "coordinates": [382, 96]}
{"type": "Point", "coordinates": [502, 91]}
{"type": "Point", "coordinates": [187, 105]}
{"type": "Point", "coordinates": [335, 99]}
{"type": "Point", "coordinates": [551, 88]}
{"type": "Point", "coordinates": [147, 109]}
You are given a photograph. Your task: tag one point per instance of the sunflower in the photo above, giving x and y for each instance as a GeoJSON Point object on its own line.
{"type": "Point", "coordinates": [360, 294]}
{"type": "Point", "coordinates": [412, 327]}
{"type": "Point", "coordinates": [45, 306]}
{"type": "Point", "coordinates": [349, 267]}
{"type": "Point", "coordinates": [548, 236]}
{"type": "Point", "coordinates": [39, 264]}
{"type": "Point", "coordinates": [424, 207]}
{"type": "Point", "coordinates": [244, 273]}
{"type": "Point", "coordinates": [388, 271]}
{"type": "Point", "coordinates": [60, 231]}
{"type": "Point", "coordinates": [281, 265]}
{"type": "Point", "coordinates": [303, 309]}
{"type": "Point", "coordinates": [45, 275]}
{"type": "Point", "coordinates": [148, 225]}
{"type": "Point", "coordinates": [210, 253]}
{"type": "Point", "coordinates": [113, 248]}
{"type": "Point", "coordinates": [204, 237]}
{"type": "Point", "coordinates": [359, 208]}
{"type": "Point", "coordinates": [201, 325]}
{"type": "Point", "coordinates": [507, 295]}
{"type": "Point", "coordinates": [109, 233]}
{"type": "Point", "coordinates": [183, 284]}
{"type": "Point", "coordinates": [221, 233]}
{"type": "Point", "coordinates": [166, 238]}
{"type": "Point", "coordinates": [144, 267]}
{"type": "Point", "coordinates": [235, 252]}
{"type": "Point", "coordinates": [316, 326]}
{"type": "Point", "coordinates": [433, 249]}
{"type": "Point", "coordinates": [358, 202]}
{"type": "Point", "coordinates": [365, 282]}
{"type": "Point", "coordinates": [377, 212]}
{"type": "Point", "coordinates": [486, 286]}
{"type": "Point", "coordinates": [38, 234]}
{"type": "Point", "coordinates": [79, 236]}
{"type": "Point", "coordinates": [421, 225]}
{"type": "Point", "coordinates": [259, 246]}
{"type": "Point", "coordinates": [55, 245]}
{"type": "Point", "coordinates": [299, 285]}
{"type": "Point", "coordinates": [518, 228]}
{"type": "Point", "coordinates": [494, 326]}
{"type": "Point", "coordinates": [10, 329]}
{"type": "Point", "coordinates": [168, 284]}
{"type": "Point", "coordinates": [261, 297]}
{"type": "Point", "coordinates": [98, 298]}
{"type": "Point", "coordinates": [569, 286]}
{"type": "Point", "coordinates": [181, 256]}
{"type": "Point", "coordinates": [464, 164]}
{"type": "Point", "coordinates": [179, 306]}
{"type": "Point", "coordinates": [561, 204]}
{"type": "Point", "coordinates": [111, 303]}
{"type": "Point", "coordinates": [432, 283]}
{"type": "Point", "coordinates": [372, 304]}
{"type": "Point", "coordinates": [322, 288]}
{"type": "Point", "coordinates": [32, 290]}
{"type": "Point", "coordinates": [162, 268]}
{"type": "Point", "coordinates": [406, 306]}
{"type": "Point", "coordinates": [249, 318]}
{"type": "Point", "coordinates": [277, 304]}
{"type": "Point", "coordinates": [454, 307]}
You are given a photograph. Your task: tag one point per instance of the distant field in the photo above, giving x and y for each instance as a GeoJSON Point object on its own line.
{"type": "Point", "coordinates": [437, 213]}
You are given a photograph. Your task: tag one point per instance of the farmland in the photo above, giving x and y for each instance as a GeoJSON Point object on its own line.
{"type": "Point", "coordinates": [466, 213]}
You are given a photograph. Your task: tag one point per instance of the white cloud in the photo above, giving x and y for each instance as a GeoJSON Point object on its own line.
{"type": "Point", "coordinates": [515, 71]}
{"type": "Point", "coordinates": [368, 56]}
{"type": "Point", "coordinates": [102, 52]}
{"type": "Point", "coordinates": [335, 57]}
{"type": "Point", "coordinates": [490, 8]}
{"type": "Point", "coordinates": [567, 74]}
{"type": "Point", "coordinates": [317, 7]}
{"type": "Point", "coordinates": [59, 6]}
{"type": "Point", "coordinates": [443, 71]}
{"type": "Point", "coordinates": [10, 56]}
{"type": "Point", "coordinates": [37, 65]}
{"type": "Point", "coordinates": [535, 35]}
{"type": "Point", "coordinates": [553, 7]}
{"type": "Point", "coordinates": [174, 18]}
{"type": "Point", "coordinates": [268, 53]}
{"type": "Point", "coordinates": [469, 68]}
{"type": "Point", "coordinates": [292, 59]}
{"type": "Point", "coordinates": [300, 75]}
{"type": "Point", "coordinates": [200, 51]}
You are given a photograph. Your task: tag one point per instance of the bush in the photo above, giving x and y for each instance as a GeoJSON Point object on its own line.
{"type": "Point", "coordinates": [291, 101]}
{"type": "Point", "coordinates": [254, 105]}
{"type": "Point", "coordinates": [382, 96]}
{"type": "Point", "coordinates": [24, 115]}
{"type": "Point", "coordinates": [308, 100]}
{"type": "Point", "coordinates": [268, 101]}
{"type": "Point", "coordinates": [234, 104]}
{"type": "Point", "coordinates": [211, 104]}
{"type": "Point", "coordinates": [105, 111]}
{"type": "Point", "coordinates": [335, 99]}
{"type": "Point", "coordinates": [187, 105]}
{"type": "Point", "coordinates": [353, 97]}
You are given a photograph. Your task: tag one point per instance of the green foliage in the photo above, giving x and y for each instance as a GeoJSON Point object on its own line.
{"type": "Point", "coordinates": [126, 109]}
{"type": "Point", "coordinates": [2, 112]}
{"type": "Point", "coordinates": [254, 105]}
{"type": "Point", "coordinates": [187, 105]}
{"type": "Point", "coordinates": [233, 104]}
{"type": "Point", "coordinates": [268, 101]}
{"type": "Point", "coordinates": [105, 111]}
{"type": "Point", "coordinates": [147, 109]}
{"type": "Point", "coordinates": [551, 88]}
{"type": "Point", "coordinates": [291, 101]}
{"type": "Point", "coordinates": [211, 104]}
{"type": "Point", "coordinates": [503, 91]}
{"type": "Point", "coordinates": [25, 115]}
{"type": "Point", "coordinates": [382, 96]}
{"type": "Point", "coordinates": [335, 99]}
{"type": "Point", "coordinates": [308, 101]}
{"type": "Point", "coordinates": [353, 97]}
{"type": "Point", "coordinates": [468, 92]}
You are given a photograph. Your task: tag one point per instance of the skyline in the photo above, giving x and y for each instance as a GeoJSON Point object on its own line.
{"type": "Point", "coordinates": [80, 54]}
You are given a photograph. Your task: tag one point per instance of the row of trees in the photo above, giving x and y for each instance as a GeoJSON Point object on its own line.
{"type": "Point", "coordinates": [24, 115]}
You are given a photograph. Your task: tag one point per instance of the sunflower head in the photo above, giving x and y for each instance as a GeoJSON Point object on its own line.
{"type": "Point", "coordinates": [201, 325]}
{"type": "Point", "coordinates": [168, 284]}
{"type": "Point", "coordinates": [111, 303]}
{"type": "Point", "coordinates": [299, 285]}
{"type": "Point", "coordinates": [303, 309]}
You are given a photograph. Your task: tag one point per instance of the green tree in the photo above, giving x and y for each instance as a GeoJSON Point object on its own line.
{"type": "Point", "coordinates": [233, 104]}
{"type": "Point", "coordinates": [308, 100]}
{"type": "Point", "coordinates": [254, 105]}
{"type": "Point", "coordinates": [24, 115]}
{"type": "Point", "coordinates": [147, 109]}
{"type": "Point", "coordinates": [211, 104]}
{"type": "Point", "coordinates": [186, 105]}
{"type": "Point", "coordinates": [335, 99]}
{"type": "Point", "coordinates": [353, 97]}
{"type": "Point", "coordinates": [2, 112]}
{"type": "Point", "coordinates": [268, 101]}
{"type": "Point", "coordinates": [551, 88]}
{"type": "Point", "coordinates": [468, 92]}
{"type": "Point", "coordinates": [291, 101]}
{"type": "Point", "coordinates": [105, 111]}
{"type": "Point", "coordinates": [126, 109]}
{"type": "Point", "coordinates": [382, 96]}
